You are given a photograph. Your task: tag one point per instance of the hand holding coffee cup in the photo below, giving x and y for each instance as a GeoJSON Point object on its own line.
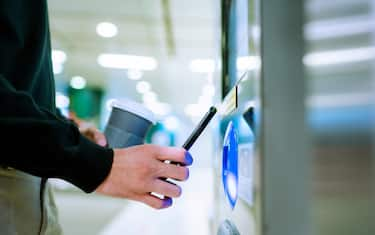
{"type": "Point", "coordinates": [137, 171]}
{"type": "Point", "coordinates": [128, 124]}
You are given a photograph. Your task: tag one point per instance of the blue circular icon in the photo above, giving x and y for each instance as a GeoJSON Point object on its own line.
{"type": "Point", "coordinates": [230, 164]}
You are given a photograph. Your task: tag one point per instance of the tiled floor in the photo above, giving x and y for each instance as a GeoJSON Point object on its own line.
{"type": "Point", "coordinates": [92, 214]}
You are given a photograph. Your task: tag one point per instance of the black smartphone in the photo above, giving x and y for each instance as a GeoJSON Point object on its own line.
{"type": "Point", "coordinates": [199, 128]}
{"type": "Point", "coordinates": [195, 134]}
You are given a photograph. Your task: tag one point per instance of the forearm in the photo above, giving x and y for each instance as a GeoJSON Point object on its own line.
{"type": "Point", "coordinates": [40, 143]}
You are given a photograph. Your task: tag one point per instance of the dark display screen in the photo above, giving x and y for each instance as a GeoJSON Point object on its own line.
{"type": "Point", "coordinates": [234, 41]}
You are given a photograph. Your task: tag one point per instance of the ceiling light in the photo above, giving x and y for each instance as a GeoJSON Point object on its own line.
{"type": "Point", "coordinates": [78, 82]}
{"type": "Point", "coordinates": [202, 66]}
{"type": "Point", "coordinates": [134, 74]}
{"type": "Point", "coordinates": [143, 87]}
{"type": "Point", "coordinates": [106, 29]}
{"type": "Point", "coordinates": [120, 61]}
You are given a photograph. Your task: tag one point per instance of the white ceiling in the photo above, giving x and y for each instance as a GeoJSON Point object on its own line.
{"type": "Point", "coordinates": [194, 33]}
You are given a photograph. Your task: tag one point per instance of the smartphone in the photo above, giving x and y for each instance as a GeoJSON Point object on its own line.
{"type": "Point", "coordinates": [197, 131]}
{"type": "Point", "coordinates": [194, 135]}
{"type": "Point", "coordinates": [199, 128]}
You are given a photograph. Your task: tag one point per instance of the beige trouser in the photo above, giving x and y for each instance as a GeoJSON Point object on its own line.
{"type": "Point", "coordinates": [26, 205]}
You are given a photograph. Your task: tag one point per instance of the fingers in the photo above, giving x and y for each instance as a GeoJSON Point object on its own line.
{"type": "Point", "coordinates": [173, 171]}
{"type": "Point", "coordinates": [174, 154]}
{"type": "Point", "coordinates": [156, 202]}
{"type": "Point", "coordinates": [167, 189]}
{"type": "Point", "coordinates": [136, 171]}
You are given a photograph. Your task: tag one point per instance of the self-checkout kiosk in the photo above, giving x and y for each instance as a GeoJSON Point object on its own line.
{"type": "Point", "coordinates": [256, 188]}
{"type": "Point", "coordinates": [236, 163]}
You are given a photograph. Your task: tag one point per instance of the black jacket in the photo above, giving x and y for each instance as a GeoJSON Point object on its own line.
{"type": "Point", "coordinates": [33, 138]}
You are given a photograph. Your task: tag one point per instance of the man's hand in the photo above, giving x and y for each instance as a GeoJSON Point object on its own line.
{"type": "Point", "coordinates": [138, 171]}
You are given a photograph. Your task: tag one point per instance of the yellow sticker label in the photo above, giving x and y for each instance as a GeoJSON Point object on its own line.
{"type": "Point", "coordinates": [230, 102]}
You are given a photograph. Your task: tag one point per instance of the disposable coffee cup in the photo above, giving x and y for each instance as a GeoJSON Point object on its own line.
{"type": "Point", "coordinates": [128, 124]}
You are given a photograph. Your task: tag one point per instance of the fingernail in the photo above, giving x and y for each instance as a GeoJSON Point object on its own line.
{"type": "Point", "coordinates": [188, 158]}
{"type": "Point", "coordinates": [179, 191]}
{"type": "Point", "coordinates": [167, 202]}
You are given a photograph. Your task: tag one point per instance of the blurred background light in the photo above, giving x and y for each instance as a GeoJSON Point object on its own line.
{"type": "Point", "coordinates": [57, 68]}
{"type": "Point", "coordinates": [205, 100]}
{"type": "Point", "coordinates": [109, 104]}
{"type": "Point", "coordinates": [121, 61]}
{"type": "Point", "coordinates": [202, 66]}
{"type": "Point", "coordinates": [209, 90]}
{"type": "Point", "coordinates": [340, 100]}
{"type": "Point", "coordinates": [248, 63]}
{"type": "Point", "coordinates": [78, 82]}
{"type": "Point", "coordinates": [159, 108]}
{"type": "Point", "coordinates": [106, 29]}
{"type": "Point", "coordinates": [62, 101]}
{"type": "Point", "coordinates": [58, 59]}
{"type": "Point", "coordinates": [149, 97]}
{"type": "Point", "coordinates": [195, 110]}
{"type": "Point", "coordinates": [338, 27]}
{"type": "Point", "coordinates": [171, 123]}
{"type": "Point", "coordinates": [134, 74]}
{"type": "Point", "coordinates": [343, 56]}
{"type": "Point", "coordinates": [58, 56]}
{"type": "Point", "coordinates": [143, 87]}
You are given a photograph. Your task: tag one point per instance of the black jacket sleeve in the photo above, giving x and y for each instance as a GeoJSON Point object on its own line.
{"type": "Point", "coordinates": [39, 142]}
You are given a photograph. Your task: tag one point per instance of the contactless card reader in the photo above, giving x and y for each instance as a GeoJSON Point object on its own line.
{"type": "Point", "coordinates": [230, 164]}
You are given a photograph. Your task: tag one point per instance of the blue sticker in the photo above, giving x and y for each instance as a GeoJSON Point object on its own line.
{"type": "Point", "coordinates": [230, 165]}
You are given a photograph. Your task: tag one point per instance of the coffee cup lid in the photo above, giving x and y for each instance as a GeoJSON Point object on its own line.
{"type": "Point", "coordinates": [136, 108]}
